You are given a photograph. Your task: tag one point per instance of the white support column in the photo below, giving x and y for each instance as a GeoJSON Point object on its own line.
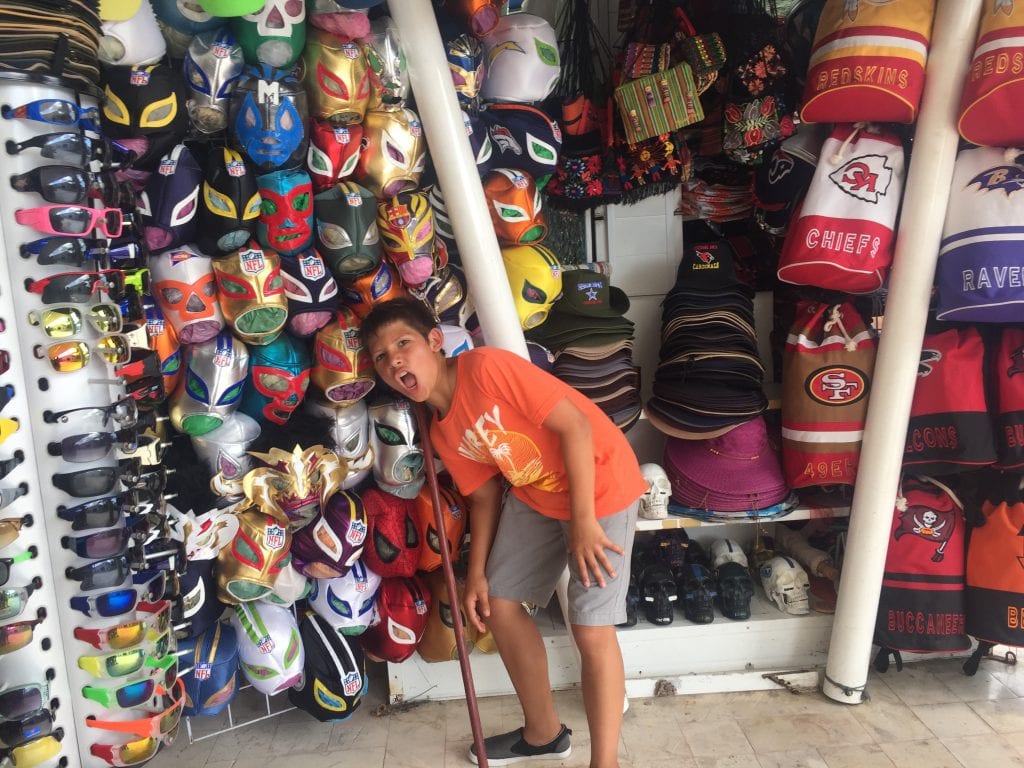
{"type": "Point", "coordinates": [456, 169]}
{"type": "Point", "coordinates": [917, 247]}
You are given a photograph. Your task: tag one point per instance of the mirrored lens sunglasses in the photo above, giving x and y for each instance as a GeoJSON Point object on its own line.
{"type": "Point", "coordinates": [107, 605]}
{"type": "Point", "coordinates": [11, 527]}
{"type": "Point", "coordinates": [14, 599]}
{"type": "Point", "coordinates": [134, 694]}
{"type": "Point", "coordinates": [18, 634]}
{"type": "Point", "coordinates": [158, 725]}
{"type": "Point", "coordinates": [67, 321]}
{"type": "Point", "coordinates": [71, 356]}
{"type": "Point", "coordinates": [155, 654]}
{"type": "Point", "coordinates": [54, 112]}
{"type": "Point", "coordinates": [36, 752]}
{"type": "Point", "coordinates": [156, 622]}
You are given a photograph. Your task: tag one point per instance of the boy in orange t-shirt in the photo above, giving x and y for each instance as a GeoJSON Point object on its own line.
{"type": "Point", "coordinates": [574, 487]}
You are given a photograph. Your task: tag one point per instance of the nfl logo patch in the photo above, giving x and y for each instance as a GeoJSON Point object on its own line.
{"type": "Point", "coordinates": [167, 167]}
{"type": "Point", "coordinates": [139, 77]}
{"type": "Point", "coordinates": [421, 606]}
{"type": "Point", "coordinates": [266, 644]}
{"type": "Point", "coordinates": [236, 168]}
{"type": "Point", "coordinates": [354, 199]}
{"type": "Point", "coordinates": [361, 586]}
{"type": "Point", "coordinates": [415, 128]}
{"type": "Point", "coordinates": [350, 51]}
{"type": "Point", "coordinates": [352, 341]}
{"type": "Point", "coordinates": [519, 181]}
{"type": "Point", "coordinates": [352, 683]}
{"type": "Point", "coordinates": [252, 261]}
{"type": "Point", "coordinates": [203, 670]}
{"type": "Point", "coordinates": [356, 533]}
{"type": "Point", "coordinates": [220, 51]}
{"type": "Point", "coordinates": [312, 266]}
{"type": "Point", "coordinates": [223, 355]}
{"type": "Point", "coordinates": [155, 326]}
{"type": "Point", "coordinates": [274, 537]}
{"type": "Point", "coordinates": [343, 136]}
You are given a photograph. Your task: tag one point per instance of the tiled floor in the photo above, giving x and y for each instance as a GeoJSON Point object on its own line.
{"type": "Point", "coordinates": [929, 715]}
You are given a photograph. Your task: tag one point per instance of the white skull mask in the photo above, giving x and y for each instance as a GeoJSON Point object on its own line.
{"type": "Point", "coordinates": [726, 551]}
{"type": "Point", "coordinates": [786, 583]}
{"type": "Point", "coordinates": [654, 502]}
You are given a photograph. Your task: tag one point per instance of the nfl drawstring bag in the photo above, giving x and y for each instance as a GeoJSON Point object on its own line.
{"type": "Point", "coordinates": [843, 236]}
{"type": "Point", "coordinates": [994, 90]}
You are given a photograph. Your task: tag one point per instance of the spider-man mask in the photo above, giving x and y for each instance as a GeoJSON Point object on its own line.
{"type": "Point", "coordinates": [230, 203]}
{"type": "Point", "coordinates": [268, 118]}
{"type": "Point", "coordinates": [393, 542]}
{"type": "Point", "coordinates": [278, 378]}
{"type": "Point", "coordinates": [286, 211]}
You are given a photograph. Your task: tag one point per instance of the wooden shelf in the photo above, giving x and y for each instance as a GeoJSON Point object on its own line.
{"type": "Point", "coordinates": [802, 512]}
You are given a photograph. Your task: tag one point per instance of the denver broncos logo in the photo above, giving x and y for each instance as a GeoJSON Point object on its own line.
{"type": "Point", "coordinates": [1009, 178]}
{"type": "Point", "coordinates": [866, 177]}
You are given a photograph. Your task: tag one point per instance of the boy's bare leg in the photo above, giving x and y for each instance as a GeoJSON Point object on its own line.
{"type": "Point", "coordinates": [522, 651]}
{"type": "Point", "coordinates": [603, 682]}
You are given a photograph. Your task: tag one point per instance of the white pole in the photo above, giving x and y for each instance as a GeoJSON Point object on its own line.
{"type": "Point", "coordinates": [439, 110]}
{"type": "Point", "coordinates": [917, 247]}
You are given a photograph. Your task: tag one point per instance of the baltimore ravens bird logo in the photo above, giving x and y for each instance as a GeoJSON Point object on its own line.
{"type": "Point", "coordinates": [1009, 178]}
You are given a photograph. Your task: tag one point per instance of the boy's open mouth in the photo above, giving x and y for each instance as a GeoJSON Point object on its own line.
{"type": "Point", "coordinates": [408, 380]}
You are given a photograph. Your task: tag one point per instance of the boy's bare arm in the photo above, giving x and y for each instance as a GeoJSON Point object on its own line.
{"type": "Point", "coordinates": [587, 540]}
{"type": "Point", "coordinates": [484, 509]}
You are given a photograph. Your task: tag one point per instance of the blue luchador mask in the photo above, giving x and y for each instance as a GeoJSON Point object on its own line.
{"type": "Point", "coordinates": [278, 378]}
{"type": "Point", "coordinates": [269, 119]}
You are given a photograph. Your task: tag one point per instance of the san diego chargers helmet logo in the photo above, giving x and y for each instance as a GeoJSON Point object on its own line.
{"type": "Point", "coordinates": [1009, 178]}
{"type": "Point", "coordinates": [837, 385]}
{"type": "Point", "coordinates": [852, 7]}
{"type": "Point", "coordinates": [866, 177]}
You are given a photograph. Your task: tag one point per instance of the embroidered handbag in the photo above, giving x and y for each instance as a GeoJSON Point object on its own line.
{"type": "Point", "coordinates": [657, 104]}
{"type": "Point", "coordinates": [704, 53]}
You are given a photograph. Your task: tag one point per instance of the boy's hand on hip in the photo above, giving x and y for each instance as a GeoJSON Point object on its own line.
{"type": "Point", "coordinates": [476, 601]}
{"type": "Point", "coordinates": [587, 545]}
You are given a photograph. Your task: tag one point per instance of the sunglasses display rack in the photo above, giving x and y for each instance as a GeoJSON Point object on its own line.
{"type": "Point", "coordinates": [39, 387]}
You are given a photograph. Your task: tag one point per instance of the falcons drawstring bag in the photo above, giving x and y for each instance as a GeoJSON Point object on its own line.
{"type": "Point", "coordinates": [980, 275]}
{"type": "Point", "coordinates": [843, 235]}
{"type": "Point", "coordinates": [1007, 371]}
{"type": "Point", "coordinates": [994, 90]}
{"type": "Point", "coordinates": [950, 429]}
{"type": "Point", "coordinates": [921, 606]}
{"type": "Point", "coordinates": [826, 376]}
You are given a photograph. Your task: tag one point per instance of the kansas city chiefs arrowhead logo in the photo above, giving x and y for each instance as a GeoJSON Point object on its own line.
{"type": "Point", "coordinates": [866, 177]}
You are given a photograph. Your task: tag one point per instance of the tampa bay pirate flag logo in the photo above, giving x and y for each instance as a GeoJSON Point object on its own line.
{"type": "Point", "coordinates": [933, 525]}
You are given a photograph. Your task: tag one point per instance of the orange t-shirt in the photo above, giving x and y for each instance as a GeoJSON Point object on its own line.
{"type": "Point", "coordinates": [494, 425]}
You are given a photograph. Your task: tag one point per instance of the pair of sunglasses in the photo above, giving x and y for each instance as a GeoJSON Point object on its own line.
{"type": "Point", "coordinates": [54, 112]}
{"type": "Point", "coordinates": [155, 623]}
{"type": "Point", "coordinates": [10, 528]}
{"type": "Point", "coordinates": [6, 563]}
{"type": "Point", "coordinates": [93, 446]}
{"type": "Point", "coordinates": [158, 725]}
{"type": "Point", "coordinates": [100, 574]}
{"type": "Point", "coordinates": [134, 694]}
{"type": "Point", "coordinates": [35, 752]}
{"type": "Point", "coordinates": [17, 701]}
{"type": "Point", "coordinates": [105, 512]}
{"type": "Point", "coordinates": [109, 543]}
{"type": "Point", "coordinates": [158, 654]}
{"type": "Point", "coordinates": [79, 287]}
{"type": "Point", "coordinates": [66, 185]}
{"type": "Point", "coordinates": [76, 251]}
{"type": "Point", "coordinates": [78, 220]}
{"type": "Point", "coordinates": [14, 599]}
{"type": "Point", "coordinates": [33, 725]}
{"type": "Point", "coordinates": [132, 752]}
{"type": "Point", "coordinates": [71, 356]}
{"type": "Point", "coordinates": [74, 148]}
{"type": "Point", "coordinates": [99, 481]}
{"type": "Point", "coordinates": [124, 413]}
{"type": "Point", "coordinates": [17, 635]}
{"type": "Point", "coordinates": [64, 322]}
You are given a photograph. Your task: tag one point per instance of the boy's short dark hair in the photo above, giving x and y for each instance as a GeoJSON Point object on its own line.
{"type": "Point", "coordinates": [413, 313]}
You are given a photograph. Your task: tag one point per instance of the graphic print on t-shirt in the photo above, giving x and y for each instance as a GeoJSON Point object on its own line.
{"type": "Point", "coordinates": [515, 455]}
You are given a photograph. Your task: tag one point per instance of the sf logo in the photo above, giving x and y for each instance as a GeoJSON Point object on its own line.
{"type": "Point", "coordinates": [837, 385]}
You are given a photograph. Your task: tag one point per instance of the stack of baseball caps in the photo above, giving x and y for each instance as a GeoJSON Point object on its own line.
{"type": "Point", "coordinates": [51, 37]}
{"type": "Point", "coordinates": [709, 376]}
{"type": "Point", "coordinates": [592, 343]}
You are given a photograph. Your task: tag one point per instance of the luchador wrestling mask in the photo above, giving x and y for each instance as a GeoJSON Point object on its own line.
{"type": "Point", "coordinates": [346, 229]}
{"type": "Point", "coordinates": [286, 211]}
{"type": "Point", "coordinates": [398, 457]}
{"type": "Point", "coordinates": [213, 65]}
{"type": "Point", "coordinates": [311, 290]}
{"type": "Point", "coordinates": [273, 35]}
{"type": "Point", "coordinates": [164, 341]}
{"type": "Point", "coordinates": [515, 207]}
{"type": "Point", "coordinates": [350, 437]}
{"type": "Point", "coordinates": [268, 118]}
{"type": "Point", "coordinates": [535, 277]}
{"type": "Point", "coordinates": [224, 453]}
{"type": "Point", "coordinates": [252, 293]}
{"type": "Point", "coordinates": [230, 206]}
{"type": "Point", "coordinates": [361, 293]}
{"type": "Point", "coordinates": [144, 108]}
{"type": "Point", "coordinates": [337, 80]}
{"type": "Point", "coordinates": [168, 204]}
{"type": "Point", "coordinates": [524, 138]}
{"type": "Point", "coordinates": [480, 16]}
{"type": "Point", "coordinates": [330, 546]}
{"type": "Point", "coordinates": [389, 79]}
{"type": "Point", "coordinates": [180, 21]}
{"type": "Point", "coordinates": [394, 152]}
{"type": "Point", "coordinates": [278, 378]}
{"type": "Point", "coordinates": [342, 369]}
{"type": "Point", "coordinates": [521, 56]}
{"type": "Point", "coordinates": [186, 292]}
{"type": "Point", "coordinates": [295, 485]}
{"type": "Point", "coordinates": [134, 41]}
{"type": "Point", "coordinates": [442, 220]}
{"type": "Point", "coordinates": [333, 152]}
{"type": "Point", "coordinates": [247, 569]}
{"type": "Point", "coordinates": [466, 61]}
{"type": "Point", "coordinates": [270, 651]}
{"type": "Point", "coordinates": [215, 373]}
{"type": "Point", "coordinates": [406, 224]}
{"type": "Point", "coordinates": [446, 295]}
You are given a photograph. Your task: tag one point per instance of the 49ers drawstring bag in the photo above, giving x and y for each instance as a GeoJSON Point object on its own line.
{"type": "Point", "coordinates": [1007, 369]}
{"type": "Point", "coordinates": [980, 274]}
{"type": "Point", "coordinates": [950, 429]}
{"type": "Point", "coordinates": [826, 375]}
{"type": "Point", "coordinates": [921, 606]}
{"type": "Point", "coordinates": [842, 238]}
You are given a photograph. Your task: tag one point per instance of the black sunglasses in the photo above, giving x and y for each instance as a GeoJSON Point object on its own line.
{"type": "Point", "coordinates": [65, 184]}
{"type": "Point", "coordinates": [78, 286]}
{"type": "Point", "coordinates": [93, 446]}
{"type": "Point", "coordinates": [105, 512]}
{"type": "Point", "coordinates": [109, 543]}
{"type": "Point", "coordinates": [95, 481]}
{"type": "Point", "coordinates": [35, 724]}
{"type": "Point", "coordinates": [74, 148]}
{"type": "Point", "coordinates": [101, 574]}
{"type": "Point", "coordinates": [8, 465]}
{"type": "Point", "coordinates": [76, 252]}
